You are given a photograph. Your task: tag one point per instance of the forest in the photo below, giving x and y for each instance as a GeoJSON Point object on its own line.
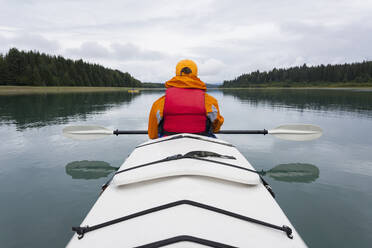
{"type": "Point", "coordinates": [355, 74]}
{"type": "Point", "coordinates": [33, 68]}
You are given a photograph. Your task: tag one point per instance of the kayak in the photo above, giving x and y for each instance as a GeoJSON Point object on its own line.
{"type": "Point", "coordinates": [186, 190]}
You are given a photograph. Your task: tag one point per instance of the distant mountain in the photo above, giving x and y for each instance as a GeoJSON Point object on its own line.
{"type": "Point", "coordinates": [39, 69]}
{"type": "Point", "coordinates": [153, 85]}
{"type": "Point", "coordinates": [209, 86]}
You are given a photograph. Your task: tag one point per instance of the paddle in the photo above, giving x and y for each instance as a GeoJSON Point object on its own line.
{"type": "Point", "coordinates": [294, 172]}
{"type": "Point", "coordinates": [296, 132]}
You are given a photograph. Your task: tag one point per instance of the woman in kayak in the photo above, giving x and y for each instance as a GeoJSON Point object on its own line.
{"type": "Point", "coordinates": [185, 108]}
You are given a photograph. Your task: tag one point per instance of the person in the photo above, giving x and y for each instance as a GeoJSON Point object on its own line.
{"type": "Point", "coordinates": [185, 107]}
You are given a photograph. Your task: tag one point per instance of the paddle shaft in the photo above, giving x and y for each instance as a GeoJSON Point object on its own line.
{"type": "Point", "coordinates": [117, 132]}
{"type": "Point", "coordinates": [243, 132]}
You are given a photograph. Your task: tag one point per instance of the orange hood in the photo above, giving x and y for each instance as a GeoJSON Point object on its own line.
{"type": "Point", "coordinates": [189, 81]}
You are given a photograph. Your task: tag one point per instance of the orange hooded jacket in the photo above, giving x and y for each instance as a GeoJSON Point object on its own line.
{"type": "Point", "coordinates": [187, 82]}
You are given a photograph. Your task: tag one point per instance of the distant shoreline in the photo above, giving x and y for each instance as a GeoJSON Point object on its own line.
{"type": "Point", "coordinates": [21, 90]}
{"type": "Point", "coordinates": [323, 85]}
{"type": "Point", "coordinates": [299, 88]}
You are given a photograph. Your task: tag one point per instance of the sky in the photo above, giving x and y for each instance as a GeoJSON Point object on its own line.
{"type": "Point", "coordinates": [226, 38]}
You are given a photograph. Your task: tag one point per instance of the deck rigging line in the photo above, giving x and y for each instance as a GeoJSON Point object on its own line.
{"type": "Point", "coordinates": [183, 238]}
{"type": "Point", "coordinates": [182, 136]}
{"type": "Point", "coordinates": [198, 155]}
{"type": "Point", "coordinates": [83, 230]}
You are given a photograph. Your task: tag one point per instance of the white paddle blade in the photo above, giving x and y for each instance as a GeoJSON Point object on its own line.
{"type": "Point", "coordinates": [86, 132]}
{"type": "Point", "coordinates": [297, 132]}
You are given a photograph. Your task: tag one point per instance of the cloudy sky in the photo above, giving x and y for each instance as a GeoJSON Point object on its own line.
{"type": "Point", "coordinates": [225, 37]}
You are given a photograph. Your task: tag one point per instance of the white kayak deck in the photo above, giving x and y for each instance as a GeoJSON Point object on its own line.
{"type": "Point", "coordinates": [224, 187]}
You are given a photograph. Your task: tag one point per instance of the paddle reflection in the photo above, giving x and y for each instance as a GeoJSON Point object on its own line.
{"type": "Point", "coordinates": [294, 172]}
{"type": "Point", "coordinates": [89, 169]}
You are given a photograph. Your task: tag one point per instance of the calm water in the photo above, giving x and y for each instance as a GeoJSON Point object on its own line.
{"type": "Point", "coordinates": [40, 201]}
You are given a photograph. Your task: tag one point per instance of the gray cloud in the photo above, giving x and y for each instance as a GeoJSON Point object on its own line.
{"type": "Point", "coordinates": [89, 50]}
{"type": "Point", "coordinates": [130, 51]}
{"type": "Point", "coordinates": [115, 51]}
{"type": "Point", "coordinates": [225, 38]}
{"type": "Point", "coordinates": [328, 44]}
{"type": "Point", "coordinates": [29, 42]}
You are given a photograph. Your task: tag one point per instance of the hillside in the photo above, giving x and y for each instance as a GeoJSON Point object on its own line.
{"type": "Point", "coordinates": [38, 69]}
{"type": "Point", "coordinates": [355, 74]}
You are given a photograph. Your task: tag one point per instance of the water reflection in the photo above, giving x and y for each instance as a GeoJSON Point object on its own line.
{"type": "Point", "coordinates": [294, 172]}
{"type": "Point", "coordinates": [356, 101]}
{"type": "Point", "coordinates": [38, 110]}
{"type": "Point", "coordinates": [89, 169]}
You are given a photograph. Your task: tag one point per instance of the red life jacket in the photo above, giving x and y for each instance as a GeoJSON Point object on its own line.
{"type": "Point", "coordinates": [184, 111]}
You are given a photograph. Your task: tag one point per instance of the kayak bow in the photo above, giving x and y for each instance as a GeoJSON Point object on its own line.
{"type": "Point", "coordinates": [192, 189]}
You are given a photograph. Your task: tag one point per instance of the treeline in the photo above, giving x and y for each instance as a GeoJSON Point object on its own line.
{"type": "Point", "coordinates": [39, 69]}
{"type": "Point", "coordinates": [322, 75]}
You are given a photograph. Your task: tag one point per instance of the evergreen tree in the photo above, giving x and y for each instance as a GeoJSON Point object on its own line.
{"type": "Point", "coordinates": [36, 78]}
{"type": "Point", "coordinates": [13, 61]}
{"type": "Point", "coordinates": [3, 71]}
